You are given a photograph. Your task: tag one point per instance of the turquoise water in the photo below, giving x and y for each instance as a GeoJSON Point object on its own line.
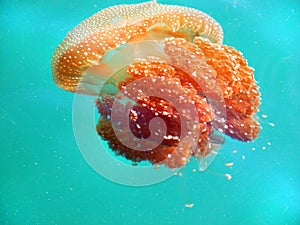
{"type": "Point", "coordinates": [45, 180]}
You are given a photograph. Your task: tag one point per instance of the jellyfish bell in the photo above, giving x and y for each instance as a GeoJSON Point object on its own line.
{"type": "Point", "coordinates": [85, 45]}
{"type": "Point", "coordinates": [166, 87]}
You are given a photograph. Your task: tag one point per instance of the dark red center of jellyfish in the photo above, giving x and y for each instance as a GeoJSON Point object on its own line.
{"type": "Point", "coordinates": [152, 107]}
{"type": "Point", "coordinates": [141, 113]}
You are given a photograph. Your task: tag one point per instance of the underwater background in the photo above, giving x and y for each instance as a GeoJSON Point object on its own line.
{"type": "Point", "coordinates": [45, 180]}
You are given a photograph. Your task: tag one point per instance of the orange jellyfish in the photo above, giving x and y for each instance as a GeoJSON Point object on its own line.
{"type": "Point", "coordinates": [167, 88]}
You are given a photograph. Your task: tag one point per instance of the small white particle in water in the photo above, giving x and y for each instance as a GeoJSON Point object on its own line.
{"type": "Point", "coordinates": [243, 157]}
{"type": "Point", "coordinates": [214, 152]}
{"type": "Point", "coordinates": [156, 167]}
{"type": "Point", "coordinates": [272, 124]}
{"type": "Point", "coordinates": [228, 176]}
{"type": "Point", "coordinates": [189, 205]}
{"type": "Point", "coordinates": [253, 149]}
{"type": "Point", "coordinates": [268, 143]}
{"type": "Point", "coordinates": [229, 164]}
{"type": "Point", "coordinates": [264, 116]}
{"type": "Point", "coordinates": [234, 151]}
{"type": "Point", "coordinates": [263, 148]}
{"type": "Point", "coordinates": [179, 174]}
{"type": "Point", "coordinates": [194, 170]}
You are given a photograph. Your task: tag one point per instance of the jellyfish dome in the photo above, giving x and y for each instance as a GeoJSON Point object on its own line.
{"type": "Point", "coordinates": [166, 87]}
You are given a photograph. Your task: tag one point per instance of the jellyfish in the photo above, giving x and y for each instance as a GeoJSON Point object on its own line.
{"type": "Point", "coordinates": [166, 87]}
